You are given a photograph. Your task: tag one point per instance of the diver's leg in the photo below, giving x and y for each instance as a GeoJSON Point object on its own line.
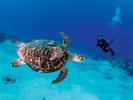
{"type": "Point", "coordinates": [112, 52]}
{"type": "Point", "coordinates": [106, 49]}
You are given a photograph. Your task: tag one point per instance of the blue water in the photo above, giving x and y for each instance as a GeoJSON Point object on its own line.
{"type": "Point", "coordinates": [86, 19]}
{"type": "Point", "coordinates": [101, 77]}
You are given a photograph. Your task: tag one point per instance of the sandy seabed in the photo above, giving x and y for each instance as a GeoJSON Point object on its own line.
{"type": "Point", "coordinates": [92, 80]}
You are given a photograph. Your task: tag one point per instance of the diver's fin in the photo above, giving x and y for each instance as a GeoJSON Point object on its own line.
{"type": "Point", "coordinates": [61, 76]}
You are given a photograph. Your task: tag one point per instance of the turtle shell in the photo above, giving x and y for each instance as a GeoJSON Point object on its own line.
{"type": "Point", "coordinates": [44, 55]}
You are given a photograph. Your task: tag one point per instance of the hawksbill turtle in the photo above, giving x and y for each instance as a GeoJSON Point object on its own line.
{"type": "Point", "coordinates": [46, 56]}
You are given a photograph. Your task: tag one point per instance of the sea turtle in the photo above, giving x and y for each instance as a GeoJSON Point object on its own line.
{"type": "Point", "coordinates": [46, 56]}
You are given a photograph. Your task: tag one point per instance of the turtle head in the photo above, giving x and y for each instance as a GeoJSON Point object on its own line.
{"type": "Point", "coordinates": [77, 58]}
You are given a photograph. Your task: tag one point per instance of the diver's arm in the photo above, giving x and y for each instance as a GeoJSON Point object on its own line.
{"type": "Point", "coordinates": [111, 41]}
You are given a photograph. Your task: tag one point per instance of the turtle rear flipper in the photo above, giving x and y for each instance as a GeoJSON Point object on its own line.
{"type": "Point", "coordinates": [19, 43]}
{"type": "Point", "coordinates": [66, 40]}
{"type": "Point", "coordinates": [61, 76]}
{"type": "Point", "coordinates": [17, 63]}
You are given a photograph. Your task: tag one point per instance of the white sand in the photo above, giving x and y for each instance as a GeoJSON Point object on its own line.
{"type": "Point", "coordinates": [93, 80]}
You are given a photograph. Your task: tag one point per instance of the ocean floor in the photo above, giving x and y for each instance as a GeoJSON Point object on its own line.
{"type": "Point", "coordinates": [95, 79]}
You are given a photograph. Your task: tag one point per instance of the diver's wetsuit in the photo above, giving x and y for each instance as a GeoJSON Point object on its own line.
{"type": "Point", "coordinates": [104, 45]}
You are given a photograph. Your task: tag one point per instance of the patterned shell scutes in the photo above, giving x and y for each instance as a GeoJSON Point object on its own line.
{"type": "Point", "coordinates": [45, 56]}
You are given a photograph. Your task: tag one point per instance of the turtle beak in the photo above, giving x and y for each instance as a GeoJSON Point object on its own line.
{"type": "Point", "coordinates": [81, 58]}
{"type": "Point", "coordinates": [78, 58]}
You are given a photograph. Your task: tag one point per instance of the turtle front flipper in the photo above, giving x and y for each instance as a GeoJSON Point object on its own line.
{"type": "Point", "coordinates": [61, 76]}
{"type": "Point", "coordinates": [66, 40]}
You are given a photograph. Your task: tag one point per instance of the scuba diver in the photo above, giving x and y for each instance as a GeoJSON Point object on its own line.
{"type": "Point", "coordinates": [104, 45]}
